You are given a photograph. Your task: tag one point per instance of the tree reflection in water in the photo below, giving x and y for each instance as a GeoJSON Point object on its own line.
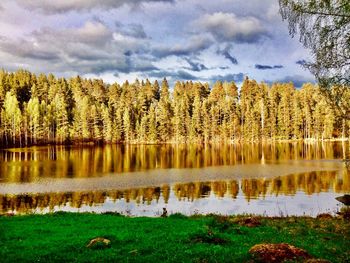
{"type": "Point", "coordinates": [308, 183]}
{"type": "Point", "coordinates": [31, 164]}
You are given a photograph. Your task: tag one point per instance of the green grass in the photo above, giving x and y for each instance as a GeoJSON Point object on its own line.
{"type": "Point", "coordinates": [62, 237]}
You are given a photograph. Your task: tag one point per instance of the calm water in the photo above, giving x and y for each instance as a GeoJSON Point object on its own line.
{"type": "Point", "coordinates": [271, 179]}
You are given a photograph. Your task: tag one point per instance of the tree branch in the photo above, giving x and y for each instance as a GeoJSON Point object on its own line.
{"type": "Point", "coordinates": [322, 13]}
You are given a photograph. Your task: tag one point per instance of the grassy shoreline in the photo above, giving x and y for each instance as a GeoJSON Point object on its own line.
{"type": "Point", "coordinates": [62, 237]}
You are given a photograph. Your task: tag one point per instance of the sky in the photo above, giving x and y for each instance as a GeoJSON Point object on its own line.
{"type": "Point", "coordinates": [118, 40]}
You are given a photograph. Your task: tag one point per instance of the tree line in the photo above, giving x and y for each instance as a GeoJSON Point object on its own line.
{"type": "Point", "coordinates": [40, 109]}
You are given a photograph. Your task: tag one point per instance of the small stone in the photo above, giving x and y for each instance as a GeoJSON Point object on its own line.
{"type": "Point", "coordinates": [99, 242]}
{"type": "Point", "coordinates": [275, 253]}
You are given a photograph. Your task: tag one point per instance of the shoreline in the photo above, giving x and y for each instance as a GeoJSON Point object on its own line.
{"type": "Point", "coordinates": [136, 143]}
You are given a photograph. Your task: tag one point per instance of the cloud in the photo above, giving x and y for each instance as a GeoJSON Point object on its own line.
{"type": "Point", "coordinates": [229, 27]}
{"type": "Point", "coordinates": [228, 77]}
{"type": "Point", "coordinates": [230, 58]}
{"type": "Point", "coordinates": [26, 49]}
{"type": "Point", "coordinates": [132, 30]}
{"type": "Point", "coordinates": [226, 53]}
{"type": "Point", "coordinates": [176, 75]}
{"type": "Point", "coordinates": [139, 65]}
{"type": "Point", "coordinates": [63, 6]}
{"type": "Point", "coordinates": [297, 80]}
{"type": "Point", "coordinates": [91, 33]}
{"type": "Point", "coordinates": [264, 67]}
{"type": "Point", "coordinates": [194, 66]}
{"type": "Point", "coordinates": [91, 48]}
{"type": "Point", "coordinates": [301, 62]}
{"type": "Point", "coordinates": [195, 45]}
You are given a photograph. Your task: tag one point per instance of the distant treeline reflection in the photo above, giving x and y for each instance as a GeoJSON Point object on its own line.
{"type": "Point", "coordinates": [309, 183]}
{"type": "Point", "coordinates": [30, 164]}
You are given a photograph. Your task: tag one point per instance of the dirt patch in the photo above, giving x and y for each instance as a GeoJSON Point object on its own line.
{"type": "Point", "coordinates": [276, 253]}
{"type": "Point", "coordinates": [249, 221]}
{"type": "Point", "coordinates": [208, 237]}
{"type": "Point", "coordinates": [324, 216]}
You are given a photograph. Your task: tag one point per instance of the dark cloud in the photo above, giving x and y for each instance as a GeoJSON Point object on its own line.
{"type": "Point", "coordinates": [195, 45]}
{"type": "Point", "coordinates": [226, 53]}
{"type": "Point", "coordinates": [301, 62]}
{"type": "Point", "coordinates": [127, 53]}
{"type": "Point", "coordinates": [26, 49]}
{"type": "Point", "coordinates": [228, 77]}
{"type": "Point", "coordinates": [176, 75]}
{"type": "Point", "coordinates": [230, 58]}
{"type": "Point", "coordinates": [264, 67]}
{"type": "Point", "coordinates": [194, 66]}
{"type": "Point", "coordinates": [229, 27]}
{"type": "Point", "coordinates": [183, 75]}
{"type": "Point", "coordinates": [132, 30]}
{"type": "Point", "coordinates": [297, 80]}
{"type": "Point", "coordinates": [63, 6]}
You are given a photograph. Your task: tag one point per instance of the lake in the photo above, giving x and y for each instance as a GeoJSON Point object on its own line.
{"type": "Point", "coordinates": [273, 179]}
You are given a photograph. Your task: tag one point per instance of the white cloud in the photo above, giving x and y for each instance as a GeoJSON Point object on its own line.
{"type": "Point", "coordinates": [229, 27]}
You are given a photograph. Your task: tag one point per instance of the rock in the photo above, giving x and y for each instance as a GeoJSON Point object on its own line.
{"type": "Point", "coordinates": [276, 253]}
{"type": "Point", "coordinates": [324, 216]}
{"type": "Point", "coordinates": [99, 242]}
{"type": "Point", "coordinates": [345, 199]}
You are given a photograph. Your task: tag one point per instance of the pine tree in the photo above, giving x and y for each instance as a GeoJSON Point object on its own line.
{"type": "Point", "coordinates": [152, 124]}
{"type": "Point", "coordinates": [11, 119]}
{"type": "Point", "coordinates": [165, 113]}
{"type": "Point", "coordinates": [107, 124]}
{"type": "Point", "coordinates": [61, 118]}
{"type": "Point", "coordinates": [127, 128]}
{"type": "Point", "coordinates": [35, 123]}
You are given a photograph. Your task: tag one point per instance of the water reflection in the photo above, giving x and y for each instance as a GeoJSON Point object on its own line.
{"type": "Point", "coordinates": [152, 198]}
{"type": "Point", "coordinates": [31, 164]}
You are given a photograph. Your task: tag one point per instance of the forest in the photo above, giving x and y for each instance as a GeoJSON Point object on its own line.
{"type": "Point", "coordinates": [44, 109]}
